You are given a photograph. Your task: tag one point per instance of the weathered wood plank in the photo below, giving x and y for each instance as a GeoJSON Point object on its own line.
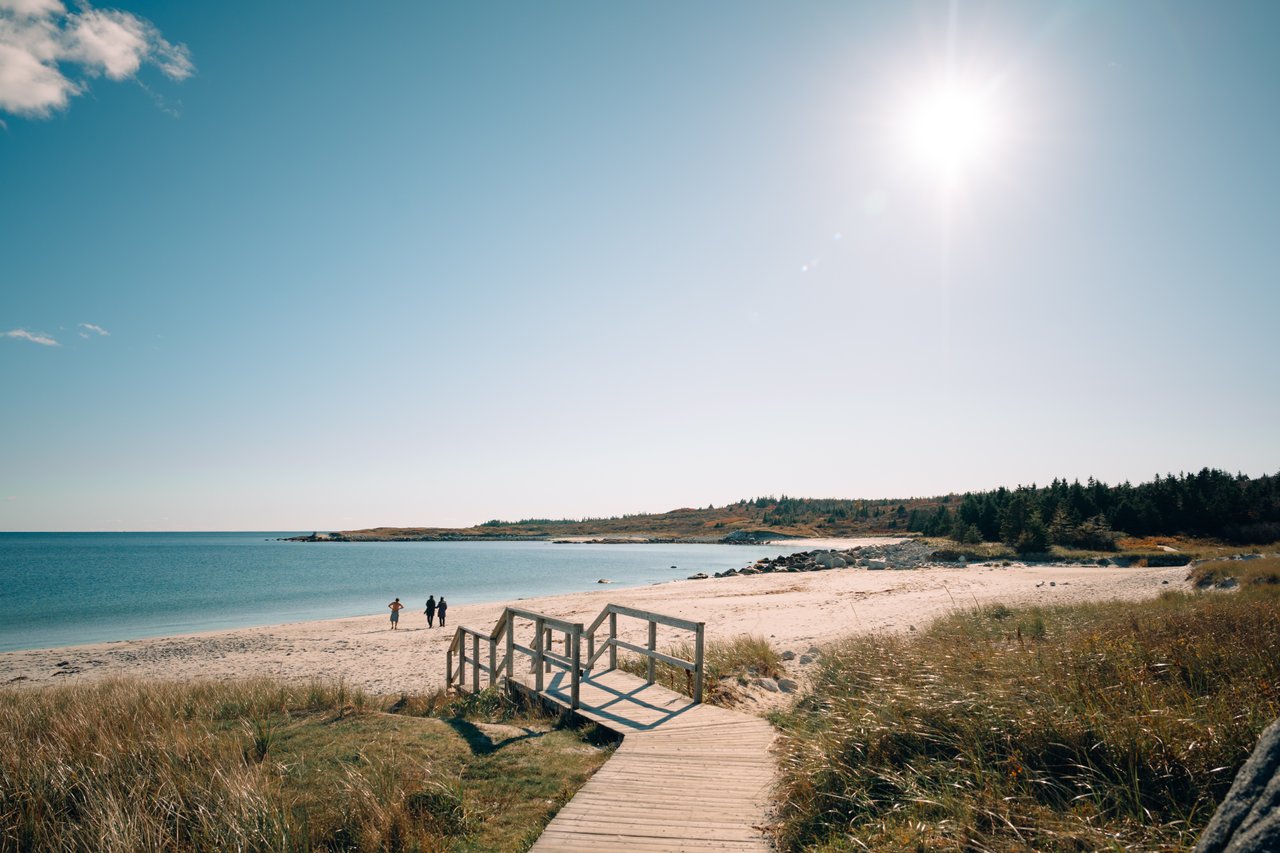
{"type": "Point", "coordinates": [686, 776]}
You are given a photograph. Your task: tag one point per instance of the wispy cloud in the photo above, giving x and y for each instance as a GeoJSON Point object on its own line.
{"type": "Point", "coordinates": [47, 54]}
{"type": "Point", "coordinates": [34, 337]}
{"type": "Point", "coordinates": [93, 327]}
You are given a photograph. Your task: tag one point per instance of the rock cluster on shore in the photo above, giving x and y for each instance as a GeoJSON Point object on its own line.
{"type": "Point", "coordinates": [902, 555]}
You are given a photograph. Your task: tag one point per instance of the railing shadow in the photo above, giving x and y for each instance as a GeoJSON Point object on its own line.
{"type": "Point", "coordinates": [609, 711]}
{"type": "Point", "coordinates": [480, 743]}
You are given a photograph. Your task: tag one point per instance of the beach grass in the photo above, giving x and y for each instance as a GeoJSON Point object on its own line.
{"type": "Point", "coordinates": [1085, 727]}
{"type": "Point", "coordinates": [725, 663]}
{"type": "Point", "coordinates": [259, 765]}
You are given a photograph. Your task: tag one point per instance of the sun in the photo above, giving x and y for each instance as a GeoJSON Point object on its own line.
{"type": "Point", "coordinates": [951, 127]}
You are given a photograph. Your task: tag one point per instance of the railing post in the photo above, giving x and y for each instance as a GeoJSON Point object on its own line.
{"type": "Point", "coordinates": [475, 663]}
{"type": "Point", "coordinates": [448, 670]}
{"type": "Point", "coordinates": [613, 640]}
{"type": "Point", "coordinates": [697, 662]}
{"type": "Point", "coordinates": [493, 661]}
{"type": "Point", "coordinates": [537, 654]}
{"type": "Point", "coordinates": [510, 644]}
{"type": "Point", "coordinates": [653, 647]}
{"type": "Point", "coordinates": [548, 646]}
{"type": "Point", "coordinates": [575, 659]}
{"type": "Point", "coordinates": [462, 662]}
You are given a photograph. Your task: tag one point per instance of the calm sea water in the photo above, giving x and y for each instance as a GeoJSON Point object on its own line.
{"type": "Point", "coordinates": [59, 589]}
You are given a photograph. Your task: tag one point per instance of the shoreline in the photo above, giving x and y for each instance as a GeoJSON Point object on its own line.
{"type": "Point", "coordinates": [792, 611]}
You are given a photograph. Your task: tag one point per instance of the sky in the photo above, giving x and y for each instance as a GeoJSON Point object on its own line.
{"type": "Point", "coordinates": [277, 267]}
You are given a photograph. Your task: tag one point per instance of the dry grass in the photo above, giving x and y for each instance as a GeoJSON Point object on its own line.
{"type": "Point", "coordinates": [1102, 726]}
{"type": "Point", "coordinates": [724, 662]}
{"type": "Point", "coordinates": [1221, 572]}
{"type": "Point", "coordinates": [125, 765]}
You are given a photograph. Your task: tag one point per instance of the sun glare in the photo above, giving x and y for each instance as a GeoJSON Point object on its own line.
{"type": "Point", "coordinates": [951, 128]}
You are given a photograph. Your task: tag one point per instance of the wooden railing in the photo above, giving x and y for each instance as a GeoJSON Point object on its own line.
{"type": "Point", "coordinates": [650, 651]}
{"type": "Point", "coordinates": [542, 655]}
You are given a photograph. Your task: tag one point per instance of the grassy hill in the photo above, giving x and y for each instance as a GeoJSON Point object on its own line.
{"type": "Point", "coordinates": [770, 517]}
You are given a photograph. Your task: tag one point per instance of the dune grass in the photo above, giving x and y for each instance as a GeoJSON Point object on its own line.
{"type": "Point", "coordinates": [1265, 570]}
{"type": "Point", "coordinates": [1089, 727]}
{"type": "Point", "coordinates": [263, 766]}
{"type": "Point", "coordinates": [724, 662]}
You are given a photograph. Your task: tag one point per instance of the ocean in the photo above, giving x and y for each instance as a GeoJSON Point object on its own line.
{"type": "Point", "coordinates": [61, 589]}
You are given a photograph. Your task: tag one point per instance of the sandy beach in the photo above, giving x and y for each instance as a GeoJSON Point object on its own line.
{"type": "Point", "coordinates": [794, 611]}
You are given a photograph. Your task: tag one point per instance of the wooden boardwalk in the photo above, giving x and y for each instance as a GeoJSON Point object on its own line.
{"type": "Point", "coordinates": [686, 776]}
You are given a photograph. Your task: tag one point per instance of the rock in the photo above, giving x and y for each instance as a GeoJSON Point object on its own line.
{"type": "Point", "coordinates": [700, 576]}
{"type": "Point", "coordinates": [828, 560]}
{"type": "Point", "coordinates": [1248, 819]}
{"type": "Point", "coordinates": [1228, 583]}
{"type": "Point", "coordinates": [788, 685]}
{"type": "Point", "coordinates": [814, 650]}
{"type": "Point", "coordinates": [604, 580]}
{"type": "Point", "coordinates": [788, 655]}
{"type": "Point", "coordinates": [807, 659]}
{"type": "Point", "coordinates": [1053, 583]}
{"type": "Point", "coordinates": [768, 684]}
{"type": "Point", "coordinates": [1165, 583]}
{"type": "Point", "coordinates": [877, 564]}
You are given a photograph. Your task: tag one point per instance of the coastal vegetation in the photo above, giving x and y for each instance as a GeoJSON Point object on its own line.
{"type": "Point", "coordinates": [1086, 727]}
{"type": "Point", "coordinates": [1088, 517]}
{"type": "Point", "coordinates": [258, 765]}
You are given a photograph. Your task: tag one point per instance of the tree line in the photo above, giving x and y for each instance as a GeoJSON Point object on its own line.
{"type": "Point", "coordinates": [1210, 503]}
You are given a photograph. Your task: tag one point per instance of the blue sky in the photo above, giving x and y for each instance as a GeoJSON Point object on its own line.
{"type": "Point", "coordinates": [420, 263]}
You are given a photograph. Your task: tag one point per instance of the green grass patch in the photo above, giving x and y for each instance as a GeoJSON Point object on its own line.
{"type": "Point", "coordinates": [1097, 726]}
{"type": "Point", "coordinates": [256, 765]}
{"type": "Point", "coordinates": [736, 660]}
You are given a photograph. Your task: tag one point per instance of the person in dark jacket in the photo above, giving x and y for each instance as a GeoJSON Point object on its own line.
{"type": "Point", "coordinates": [431, 610]}
{"type": "Point", "coordinates": [441, 607]}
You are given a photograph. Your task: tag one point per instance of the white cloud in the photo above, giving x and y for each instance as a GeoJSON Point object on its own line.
{"type": "Point", "coordinates": [47, 54]}
{"type": "Point", "coordinates": [93, 327]}
{"type": "Point", "coordinates": [31, 8]}
{"type": "Point", "coordinates": [34, 337]}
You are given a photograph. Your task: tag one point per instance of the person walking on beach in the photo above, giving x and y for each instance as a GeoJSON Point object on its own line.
{"type": "Point", "coordinates": [441, 607]}
{"type": "Point", "coordinates": [431, 610]}
{"type": "Point", "coordinates": [396, 607]}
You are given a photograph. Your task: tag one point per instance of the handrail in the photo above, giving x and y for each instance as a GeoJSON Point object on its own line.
{"type": "Point", "coordinates": [611, 612]}
{"type": "Point", "coordinates": [542, 657]}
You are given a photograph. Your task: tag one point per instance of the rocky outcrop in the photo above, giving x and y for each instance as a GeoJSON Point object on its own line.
{"type": "Point", "coordinates": [1248, 820]}
{"type": "Point", "coordinates": [902, 555]}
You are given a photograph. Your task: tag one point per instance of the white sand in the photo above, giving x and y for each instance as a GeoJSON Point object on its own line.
{"type": "Point", "coordinates": [793, 610]}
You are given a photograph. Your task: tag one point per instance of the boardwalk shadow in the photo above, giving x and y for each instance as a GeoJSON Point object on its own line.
{"type": "Point", "coordinates": [480, 743]}
{"type": "Point", "coordinates": [559, 688]}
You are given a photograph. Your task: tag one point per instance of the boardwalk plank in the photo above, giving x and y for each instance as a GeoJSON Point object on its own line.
{"type": "Point", "coordinates": [686, 777]}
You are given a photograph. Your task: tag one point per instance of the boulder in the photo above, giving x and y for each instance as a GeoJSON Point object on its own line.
{"type": "Point", "coordinates": [1248, 820]}
{"type": "Point", "coordinates": [788, 685]}
{"type": "Point", "coordinates": [807, 659]}
{"type": "Point", "coordinates": [877, 564]}
{"type": "Point", "coordinates": [788, 655]}
{"type": "Point", "coordinates": [700, 576]}
{"type": "Point", "coordinates": [768, 684]}
{"type": "Point", "coordinates": [828, 560]}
